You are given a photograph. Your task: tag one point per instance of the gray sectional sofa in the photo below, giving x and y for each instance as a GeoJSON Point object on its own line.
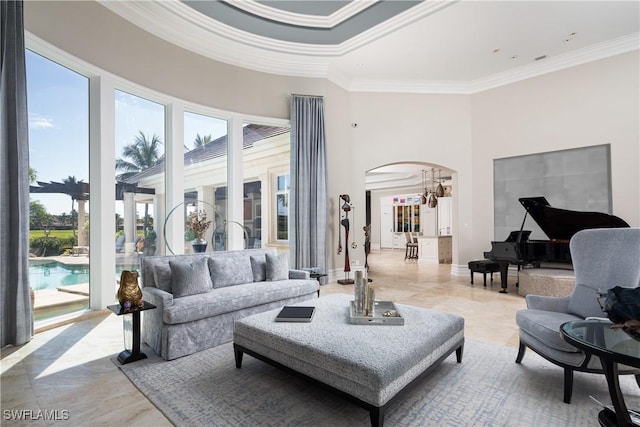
{"type": "Point", "coordinates": [199, 296]}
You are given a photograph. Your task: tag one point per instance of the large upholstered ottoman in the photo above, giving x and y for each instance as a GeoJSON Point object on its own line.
{"type": "Point", "coordinates": [369, 364]}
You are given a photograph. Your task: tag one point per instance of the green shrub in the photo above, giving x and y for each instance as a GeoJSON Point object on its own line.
{"type": "Point", "coordinates": [51, 246]}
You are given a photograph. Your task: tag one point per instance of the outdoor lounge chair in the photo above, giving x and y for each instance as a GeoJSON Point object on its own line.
{"type": "Point", "coordinates": [120, 243]}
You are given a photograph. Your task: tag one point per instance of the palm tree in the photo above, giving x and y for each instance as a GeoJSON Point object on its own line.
{"type": "Point", "coordinates": [201, 141]}
{"type": "Point", "coordinates": [71, 182]}
{"type": "Point", "coordinates": [140, 155]}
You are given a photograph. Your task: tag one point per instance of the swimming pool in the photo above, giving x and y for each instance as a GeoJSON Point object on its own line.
{"type": "Point", "coordinates": [52, 275]}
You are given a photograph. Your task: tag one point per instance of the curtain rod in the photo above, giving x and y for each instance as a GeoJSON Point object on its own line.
{"type": "Point", "coordinates": [307, 96]}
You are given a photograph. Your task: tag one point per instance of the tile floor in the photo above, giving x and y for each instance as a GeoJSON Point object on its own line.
{"type": "Point", "coordinates": [69, 368]}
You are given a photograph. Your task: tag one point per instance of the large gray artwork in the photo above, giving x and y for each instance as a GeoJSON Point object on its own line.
{"type": "Point", "coordinates": [578, 179]}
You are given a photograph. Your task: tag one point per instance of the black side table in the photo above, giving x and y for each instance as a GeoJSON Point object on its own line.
{"type": "Point", "coordinates": [128, 356]}
{"type": "Point", "coordinates": [612, 346]}
{"type": "Point", "coordinates": [318, 277]}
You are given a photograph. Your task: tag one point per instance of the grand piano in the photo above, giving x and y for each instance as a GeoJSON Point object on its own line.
{"type": "Point", "coordinates": [558, 224]}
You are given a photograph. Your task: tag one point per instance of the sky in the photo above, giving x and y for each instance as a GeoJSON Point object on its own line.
{"type": "Point", "coordinates": [58, 105]}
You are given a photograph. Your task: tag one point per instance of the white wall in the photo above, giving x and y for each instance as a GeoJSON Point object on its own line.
{"type": "Point", "coordinates": [94, 34]}
{"type": "Point", "coordinates": [586, 105]}
{"type": "Point", "coordinates": [591, 104]}
{"type": "Point", "coordinates": [412, 128]}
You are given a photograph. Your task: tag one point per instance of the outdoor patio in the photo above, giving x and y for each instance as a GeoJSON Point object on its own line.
{"type": "Point", "coordinates": [49, 303]}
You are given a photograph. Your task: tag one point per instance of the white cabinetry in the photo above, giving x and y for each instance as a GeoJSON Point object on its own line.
{"type": "Point", "coordinates": [407, 217]}
{"type": "Point", "coordinates": [397, 215]}
{"type": "Point", "coordinates": [434, 249]}
{"type": "Point", "coordinates": [445, 216]}
{"type": "Point", "coordinates": [399, 240]}
{"type": "Point", "coordinates": [386, 224]}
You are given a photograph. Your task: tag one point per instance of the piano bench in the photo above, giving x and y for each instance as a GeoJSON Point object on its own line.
{"type": "Point", "coordinates": [483, 266]}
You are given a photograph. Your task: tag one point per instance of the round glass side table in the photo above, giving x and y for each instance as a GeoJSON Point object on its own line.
{"type": "Point", "coordinates": [612, 347]}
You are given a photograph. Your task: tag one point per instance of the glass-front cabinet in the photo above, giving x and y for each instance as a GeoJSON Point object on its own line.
{"type": "Point", "coordinates": [406, 212]}
{"type": "Point", "coordinates": [402, 214]}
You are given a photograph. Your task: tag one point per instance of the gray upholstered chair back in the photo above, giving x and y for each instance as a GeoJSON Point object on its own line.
{"type": "Point", "coordinates": [603, 258]}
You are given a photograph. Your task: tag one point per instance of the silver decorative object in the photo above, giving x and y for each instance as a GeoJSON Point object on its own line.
{"type": "Point", "coordinates": [378, 317]}
{"type": "Point", "coordinates": [360, 292]}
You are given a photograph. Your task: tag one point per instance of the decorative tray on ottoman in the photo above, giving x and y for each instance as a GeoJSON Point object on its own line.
{"type": "Point", "coordinates": [384, 313]}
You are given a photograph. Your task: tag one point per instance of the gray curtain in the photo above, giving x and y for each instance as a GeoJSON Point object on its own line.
{"type": "Point", "coordinates": [308, 193]}
{"type": "Point", "coordinates": [15, 304]}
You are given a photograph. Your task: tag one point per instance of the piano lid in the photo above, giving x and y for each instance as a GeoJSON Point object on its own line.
{"type": "Point", "coordinates": [562, 224]}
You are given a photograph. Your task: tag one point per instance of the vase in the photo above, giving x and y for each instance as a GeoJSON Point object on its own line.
{"type": "Point", "coordinates": [199, 245]}
{"type": "Point", "coordinates": [369, 309]}
{"type": "Point", "coordinates": [360, 292]}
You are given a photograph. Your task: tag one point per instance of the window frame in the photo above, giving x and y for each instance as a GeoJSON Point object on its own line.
{"type": "Point", "coordinates": [102, 149]}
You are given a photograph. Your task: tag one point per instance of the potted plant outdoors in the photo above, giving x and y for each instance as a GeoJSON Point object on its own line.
{"type": "Point", "coordinates": [199, 225]}
{"type": "Point", "coordinates": [150, 242]}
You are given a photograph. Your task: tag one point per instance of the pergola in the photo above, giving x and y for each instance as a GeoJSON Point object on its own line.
{"type": "Point", "coordinates": [78, 191]}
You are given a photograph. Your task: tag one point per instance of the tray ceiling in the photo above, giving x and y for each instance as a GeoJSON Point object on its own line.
{"type": "Point", "coordinates": [401, 46]}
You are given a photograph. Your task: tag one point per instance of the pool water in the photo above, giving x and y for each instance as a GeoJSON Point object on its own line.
{"type": "Point", "coordinates": [54, 274]}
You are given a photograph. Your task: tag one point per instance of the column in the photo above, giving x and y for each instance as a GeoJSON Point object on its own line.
{"type": "Point", "coordinates": [129, 222]}
{"type": "Point", "coordinates": [102, 173]}
{"type": "Point", "coordinates": [235, 190]}
{"type": "Point", "coordinates": [82, 238]}
{"type": "Point", "coordinates": [265, 209]}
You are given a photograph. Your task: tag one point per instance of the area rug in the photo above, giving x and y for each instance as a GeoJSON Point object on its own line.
{"type": "Point", "coordinates": [487, 389]}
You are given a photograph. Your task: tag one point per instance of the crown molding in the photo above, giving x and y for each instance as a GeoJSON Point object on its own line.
{"type": "Point", "coordinates": [207, 37]}
{"type": "Point", "coordinates": [167, 23]}
{"type": "Point", "coordinates": [303, 20]}
{"type": "Point", "coordinates": [409, 86]}
{"type": "Point", "coordinates": [592, 53]}
{"type": "Point", "coordinates": [587, 54]}
{"type": "Point", "coordinates": [168, 20]}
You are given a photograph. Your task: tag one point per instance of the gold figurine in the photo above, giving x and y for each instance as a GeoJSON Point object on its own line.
{"type": "Point", "coordinates": [129, 291]}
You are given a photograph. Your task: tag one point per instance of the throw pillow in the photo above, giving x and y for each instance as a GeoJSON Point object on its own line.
{"type": "Point", "coordinates": [277, 267]}
{"type": "Point", "coordinates": [162, 276]}
{"type": "Point", "coordinates": [259, 268]}
{"type": "Point", "coordinates": [584, 302]}
{"type": "Point", "coordinates": [190, 278]}
{"type": "Point", "coordinates": [230, 270]}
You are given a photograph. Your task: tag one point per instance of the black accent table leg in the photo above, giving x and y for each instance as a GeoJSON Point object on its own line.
{"type": "Point", "coordinates": [568, 385]}
{"type": "Point", "coordinates": [127, 356]}
{"type": "Point", "coordinates": [611, 373]}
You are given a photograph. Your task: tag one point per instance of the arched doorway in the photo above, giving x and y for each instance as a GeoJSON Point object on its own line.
{"type": "Point", "coordinates": [396, 202]}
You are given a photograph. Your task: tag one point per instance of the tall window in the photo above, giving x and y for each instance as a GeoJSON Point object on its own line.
{"type": "Point", "coordinates": [58, 102]}
{"type": "Point", "coordinates": [266, 152]}
{"type": "Point", "coordinates": [282, 207]}
{"type": "Point", "coordinates": [140, 178]}
{"type": "Point", "coordinates": [205, 181]}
